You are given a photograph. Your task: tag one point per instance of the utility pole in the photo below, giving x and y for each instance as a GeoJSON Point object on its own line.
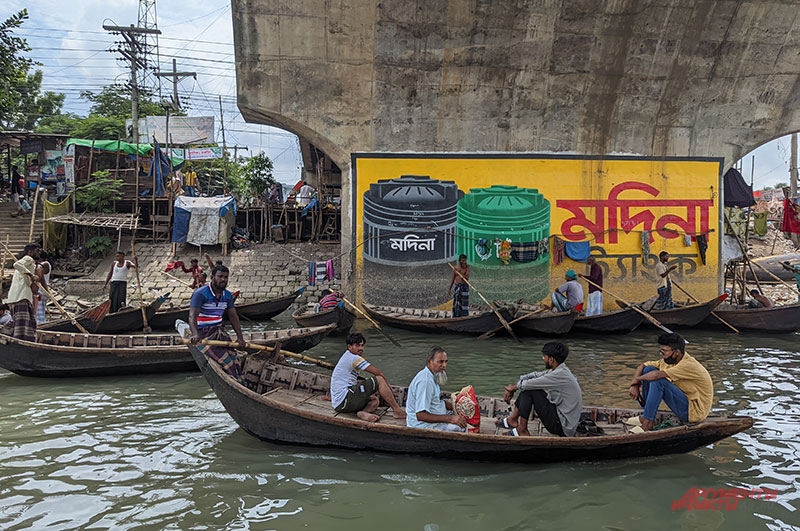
{"type": "Point", "coordinates": [176, 76]}
{"type": "Point", "coordinates": [224, 146]}
{"type": "Point", "coordinates": [236, 151]}
{"type": "Point", "coordinates": [133, 56]}
{"type": "Point", "coordinates": [793, 183]}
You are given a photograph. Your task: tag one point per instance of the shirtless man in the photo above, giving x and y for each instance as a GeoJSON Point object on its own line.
{"type": "Point", "coordinates": [461, 291]}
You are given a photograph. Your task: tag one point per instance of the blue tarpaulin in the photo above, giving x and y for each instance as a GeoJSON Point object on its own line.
{"type": "Point", "coordinates": [203, 220]}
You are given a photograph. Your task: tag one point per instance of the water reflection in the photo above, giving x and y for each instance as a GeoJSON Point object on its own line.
{"type": "Point", "coordinates": [161, 453]}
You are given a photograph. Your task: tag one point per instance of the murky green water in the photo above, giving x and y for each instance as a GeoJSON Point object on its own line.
{"type": "Point", "coordinates": [159, 452]}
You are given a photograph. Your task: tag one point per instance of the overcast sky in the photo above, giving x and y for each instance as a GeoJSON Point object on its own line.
{"type": "Point", "coordinates": [69, 40]}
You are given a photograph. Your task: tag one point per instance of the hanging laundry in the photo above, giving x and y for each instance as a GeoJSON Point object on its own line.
{"type": "Point", "coordinates": [687, 240]}
{"type": "Point", "coordinates": [645, 245]}
{"type": "Point", "coordinates": [483, 250]}
{"type": "Point", "coordinates": [544, 246]}
{"type": "Point", "coordinates": [175, 264]}
{"type": "Point", "coordinates": [791, 217]}
{"type": "Point", "coordinates": [525, 252]}
{"type": "Point", "coordinates": [736, 221]}
{"type": "Point", "coordinates": [558, 250]}
{"type": "Point", "coordinates": [504, 254]}
{"type": "Point", "coordinates": [702, 246]}
{"type": "Point", "coordinates": [578, 251]}
{"type": "Point", "coordinates": [760, 223]}
{"type": "Point", "coordinates": [329, 273]}
{"type": "Point", "coordinates": [312, 273]}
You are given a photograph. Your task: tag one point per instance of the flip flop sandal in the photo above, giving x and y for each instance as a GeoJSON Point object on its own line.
{"type": "Point", "coordinates": [633, 421]}
{"type": "Point", "coordinates": [512, 433]}
{"type": "Point", "coordinates": [503, 423]}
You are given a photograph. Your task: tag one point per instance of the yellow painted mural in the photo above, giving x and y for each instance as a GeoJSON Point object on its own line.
{"type": "Point", "coordinates": [523, 221]}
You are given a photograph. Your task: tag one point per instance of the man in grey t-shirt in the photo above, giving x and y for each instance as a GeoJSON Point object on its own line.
{"type": "Point", "coordinates": [554, 394]}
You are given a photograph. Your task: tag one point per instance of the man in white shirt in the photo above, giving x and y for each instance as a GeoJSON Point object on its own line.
{"type": "Point", "coordinates": [424, 405]}
{"type": "Point", "coordinates": [305, 194]}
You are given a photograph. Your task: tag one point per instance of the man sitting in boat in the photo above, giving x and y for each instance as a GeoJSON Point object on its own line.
{"type": "Point", "coordinates": [349, 394]}
{"type": "Point", "coordinates": [569, 295]}
{"type": "Point", "coordinates": [554, 394]}
{"type": "Point", "coordinates": [759, 300]}
{"type": "Point", "coordinates": [424, 405]}
{"type": "Point", "coordinates": [329, 301]}
{"type": "Point", "coordinates": [678, 379]}
{"type": "Point", "coordinates": [208, 306]}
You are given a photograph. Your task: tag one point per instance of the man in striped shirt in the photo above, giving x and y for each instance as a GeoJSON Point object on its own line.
{"type": "Point", "coordinates": [210, 304]}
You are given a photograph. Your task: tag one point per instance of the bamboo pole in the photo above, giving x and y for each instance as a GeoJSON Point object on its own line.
{"type": "Point", "coordinates": [371, 320]}
{"type": "Point", "coordinates": [5, 246]}
{"type": "Point", "coordinates": [646, 315]}
{"type": "Point", "coordinates": [502, 320]}
{"type": "Point", "coordinates": [176, 278]}
{"type": "Point", "coordinates": [490, 333]}
{"type": "Point", "coordinates": [146, 327]}
{"type": "Point", "coordinates": [44, 222]}
{"type": "Point", "coordinates": [256, 346]}
{"type": "Point", "coordinates": [33, 212]}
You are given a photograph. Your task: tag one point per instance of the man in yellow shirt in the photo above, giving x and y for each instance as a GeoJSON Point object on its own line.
{"type": "Point", "coordinates": [190, 180]}
{"type": "Point", "coordinates": [678, 379]}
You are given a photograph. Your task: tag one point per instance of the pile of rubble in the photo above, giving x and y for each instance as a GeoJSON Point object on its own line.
{"type": "Point", "coordinates": [774, 243]}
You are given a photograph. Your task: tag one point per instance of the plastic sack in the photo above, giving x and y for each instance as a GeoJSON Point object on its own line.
{"type": "Point", "coordinates": [466, 405]}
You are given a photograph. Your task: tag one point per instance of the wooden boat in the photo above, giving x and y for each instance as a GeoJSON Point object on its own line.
{"type": "Point", "coordinates": [614, 322]}
{"type": "Point", "coordinates": [284, 404]}
{"type": "Point", "coordinates": [66, 354]}
{"type": "Point", "coordinates": [342, 316]}
{"type": "Point", "coordinates": [545, 323]}
{"type": "Point", "coordinates": [123, 321]}
{"type": "Point", "coordinates": [686, 315]}
{"type": "Point", "coordinates": [255, 311]}
{"type": "Point", "coordinates": [775, 320]}
{"type": "Point", "coordinates": [420, 320]}
{"type": "Point", "coordinates": [267, 309]}
{"type": "Point", "coordinates": [773, 265]}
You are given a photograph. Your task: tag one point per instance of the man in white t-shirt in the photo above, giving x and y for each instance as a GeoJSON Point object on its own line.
{"type": "Point", "coordinates": [305, 194]}
{"type": "Point", "coordinates": [349, 394]}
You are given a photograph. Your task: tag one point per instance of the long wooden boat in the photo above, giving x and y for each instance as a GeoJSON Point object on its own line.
{"type": "Point", "coordinates": [269, 308]}
{"type": "Point", "coordinates": [546, 323]}
{"type": "Point", "coordinates": [775, 320]}
{"type": "Point", "coordinates": [477, 322]}
{"type": "Point", "coordinates": [121, 322]}
{"type": "Point", "coordinates": [614, 322]}
{"type": "Point", "coordinates": [165, 318]}
{"type": "Point", "coordinates": [342, 316]}
{"type": "Point", "coordinates": [686, 315]}
{"type": "Point", "coordinates": [284, 404]}
{"type": "Point", "coordinates": [65, 354]}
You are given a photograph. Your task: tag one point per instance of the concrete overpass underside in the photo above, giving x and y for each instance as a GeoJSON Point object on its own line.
{"type": "Point", "coordinates": [650, 77]}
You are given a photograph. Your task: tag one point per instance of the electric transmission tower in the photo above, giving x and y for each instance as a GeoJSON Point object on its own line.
{"type": "Point", "coordinates": [148, 42]}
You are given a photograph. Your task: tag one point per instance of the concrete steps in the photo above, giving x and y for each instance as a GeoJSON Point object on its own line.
{"type": "Point", "coordinates": [18, 228]}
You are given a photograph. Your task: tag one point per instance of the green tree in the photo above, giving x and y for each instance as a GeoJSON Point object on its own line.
{"type": "Point", "coordinates": [254, 178]}
{"type": "Point", "coordinates": [99, 194]}
{"type": "Point", "coordinates": [33, 105]}
{"type": "Point", "coordinates": [115, 101]}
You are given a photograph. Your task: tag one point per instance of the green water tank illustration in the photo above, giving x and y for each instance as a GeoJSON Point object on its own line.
{"type": "Point", "coordinates": [488, 216]}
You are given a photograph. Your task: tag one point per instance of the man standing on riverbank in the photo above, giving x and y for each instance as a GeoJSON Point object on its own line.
{"type": "Point", "coordinates": [678, 379]}
{"type": "Point", "coordinates": [424, 405]}
{"type": "Point", "coordinates": [351, 395]}
{"type": "Point", "coordinates": [118, 277]}
{"type": "Point", "coordinates": [209, 305]}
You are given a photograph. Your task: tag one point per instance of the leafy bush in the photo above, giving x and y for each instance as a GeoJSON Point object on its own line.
{"type": "Point", "coordinates": [99, 194]}
{"type": "Point", "coordinates": [98, 246]}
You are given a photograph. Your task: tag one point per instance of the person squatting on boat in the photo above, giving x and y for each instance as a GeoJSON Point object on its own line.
{"type": "Point", "coordinates": [118, 277]}
{"type": "Point", "coordinates": [678, 379]}
{"type": "Point", "coordinates": [664, 301]}
{"type": "Point", "coordinates": [569, 295]}
{"type": "Point", "coordinates": [349, 394]}
{"type": "Point", "coordinates": [759, 300]}
{"type": "Point", "coordinates": [24, 284]}
{"type": "Point", "coordinates": [461, 291]}
{"type": "Point", "coordinates": [207, 308]}
{"type": "Point", "coordinates": [424, 405]}
{"type": "Point", "coordinates": [594, 302]}
{"type": "Point", "coordinates": [554, 394]}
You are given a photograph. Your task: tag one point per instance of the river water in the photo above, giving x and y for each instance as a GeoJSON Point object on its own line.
{"type": "Point", "coordinates": [159, 452]}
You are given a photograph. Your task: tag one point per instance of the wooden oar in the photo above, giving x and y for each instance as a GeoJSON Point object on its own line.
{"type": "Point", "coordinates": [371, 320]}
{"type": "Point", "coordinates": [63, 311]}
{"type": "Point", "coordinates": [146, 327]}
{"type": "Point", "coordinates": [720, 319]}
{"type": "Point", "coordinates": [173, 277]}
{"type": "Point", "coordinates": [256, 346]}
{"type": "Point", "coordinates": [776, 277]}
{"type": "Point", "coordinates": [490, 333]}
{"type": "Point", "coordinates": [489, 304]}
{"type": "Point", "coordinates": [634, 307]}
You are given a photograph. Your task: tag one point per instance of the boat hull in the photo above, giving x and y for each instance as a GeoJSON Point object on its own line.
{"type": "Point", "coordinates": [121, 322]}
{"type": "Point", "coordinates": [268, 419]}
{"type": "Point", "coordinates": [776, 320]}
{"type": "Point", "coordinates": [546, 323]}
{"type": "Point", "coordinates": [615, 322]}
{"type": "Point", "coordinates": [342, 317]}
{"type": "Point", "coordinates": [437, 321]}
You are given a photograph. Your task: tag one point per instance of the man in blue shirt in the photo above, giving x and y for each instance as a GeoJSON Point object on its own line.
{"type": "Point", "coordinates": [424, 405]}
{"type": "Point", "coordinates": [209, 305]}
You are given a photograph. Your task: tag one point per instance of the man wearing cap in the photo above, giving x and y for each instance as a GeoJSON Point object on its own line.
{"type": "Point", "coordinates": [118, 277]}
{"type": "Point", "coordinates": [554, 394]}
{"type": "Point", "coordinates": [569, 295]}
{"type": "Point", "coordinates": [24, 284]}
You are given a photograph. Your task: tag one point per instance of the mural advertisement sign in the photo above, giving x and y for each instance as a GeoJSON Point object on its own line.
{"type": "Point", "coordinates": [523, 221]}
{"type": "Point", "coordinates": [53, 167]}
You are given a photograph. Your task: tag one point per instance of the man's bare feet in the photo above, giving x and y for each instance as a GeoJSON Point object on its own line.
{"type": "Point", "coordinates": [398, 413]}
{"type": "Point", "coordinates": [368, 417]}
{"type": "Point", "coordinates": [647, 424]}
